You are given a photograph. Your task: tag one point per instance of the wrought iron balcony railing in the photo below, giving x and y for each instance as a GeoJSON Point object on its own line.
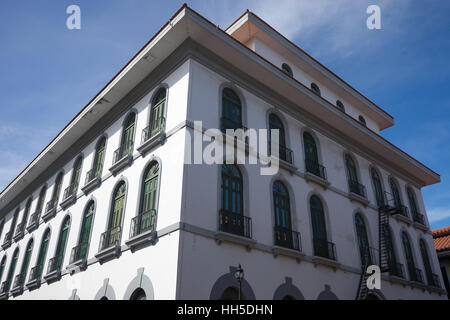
{"type": "Point", "coordinates": [316, 169]}
{"type": "Point", "coordinates": [143, 223]}
{"type": "Point", "coordinates": [54, 264]}
{"type": "Point", "coordinates": [235, 223]}
{"type": "Point", "coordinates": [93, 174]}
{"type": "Point", "coordinates": [325, 249]}
{"type": "Point", "coordinates": [122, 152]}
{"type": "Point", "coordinates": [157, 126]}
{"type": "Point", "coordinates": [433, 280]}
{"type": "Point", "coordinates": [50, 206]}
{"type": "Point", "coordinates": [416, 275]}
{"type": "Point", "coordinates": [287, 238]}
{"type": "Point", "coordinates": [418, 217]}
{"type": "Point", "coordinates": [8, 238]}
{"type": "Point", "coordinates": [19, 281]}
{"type": "Point", "coordinates": [396, 269]}
{"type": "Point", "coordinates": [284, 153]}
{"type": "Point", "coordinates": [79, 252]}
{"type": "Point", "coordinates": [110, 238]}
{"type": "Point", "coordinates": [36, 273]}
{"type": "Point", "coordinates": [20, 229]}
{"type": "Point", "coordinates": [70, 191]}
{"type": "Point", "coordinates": [4, 287]}
{"type": "Point", "coordinates": [357, 188]}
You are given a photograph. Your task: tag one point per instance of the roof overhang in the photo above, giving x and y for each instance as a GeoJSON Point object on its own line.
{"type": "Point", "coordinates": [186, 24]}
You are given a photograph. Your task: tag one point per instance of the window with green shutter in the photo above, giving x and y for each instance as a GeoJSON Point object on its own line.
{"type": "Point", "coordinates": [26, 263]}
{"type": "Point", "coordinates": [149, 197]}
{"type": "Point", "coordinates": [377, 187]}
{"type": "Point", "coordinates": [115, 220]}
{"type": "Point", "coordinates": [2, 267]}
{"type": "Point", "coordinates": [412, 200]}
{"type": "Point", "coordinates": [426, 261]}
{"type": "Point", "coordinates": [12, 268]}
{"type": "Point", "coordinates": [99, 157]}
{"type": "Point", "coordinates": [395, 193]}
{"type": "Point", "coordinates": [157, 112]}
{"type": "Point", "coordinates": [232, 185]}
{"type": "Point", "coordinates": [86, 227]}
{"type": "Point", "coordinates": [231, 110]}
{"type": "Point", "coordinates": [409, 256]}
{"type": "Point", "coordinates": [57, 189]}
{"type": "Point", "coordinates": [351, 168]}
{"type": "Point", "coordinates": [26, 212]}
{"type": "Point", "coordinates": [62, 241]}
{"type": "Point", "coordinates": [75, 181]}
{"type": "Point", "coordinates": [42, 253]}
{"type": "Point", "coordinates": [127, 143]}
{"type": "Point", "coordinates": [363, 241]}
{"type": "Point", "coordinates": [41, 200]}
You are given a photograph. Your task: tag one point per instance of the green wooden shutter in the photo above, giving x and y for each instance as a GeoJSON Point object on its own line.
{"type": "Point", "coordinates": [395, 194]}
{"type": "Point", "coordinates": [2, 267]}
{"type": "Point", "coordinates": [42, 254]}
{"type": "Point", "coordinates": [62, 243]}
{"type": "Point", "coordinates": [128, 136]}
{"type": "Point", "coordinates": [231, 110]}
{"type": "Point", "coordinates": [310, 148]}
{"type": "Point", "coordinates": [86, 231]}
{"type": "Point", "coordinates": [363, 241]}
{"type": "Point", "coordinates": [76, 176]}
{"type": "Point", "coordinates": [281, 206]}
{"type": "Point", "coordinates": [26, 263]}
{"type": "Point", "coordinates": [351, 169]}
{"type": "Point", "coordinates": [99, 158]}
{"type": "Point", "coordinates": [116, 215]}
{"type": "Point", "coordinates": [12, 268]}
{"type": "Point", "coordinates": [378, 188]}
{"type": "Point", "coordinates": [318, 219]}
{"type": "Point", "coordinates": [57, 190]}
{"type": "Point", "coordinates": [409, 256]}
{"type": "Point", "coordinates": [426, 262]}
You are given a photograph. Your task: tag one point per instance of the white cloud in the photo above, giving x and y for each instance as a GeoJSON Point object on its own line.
{"type": "Point", "coordinates": [438, 214]}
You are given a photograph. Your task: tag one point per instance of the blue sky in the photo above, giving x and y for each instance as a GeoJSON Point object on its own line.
{"type": "Point", "coordinates": [48, 73]}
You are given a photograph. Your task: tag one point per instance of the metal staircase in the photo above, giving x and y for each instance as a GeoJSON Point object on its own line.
{"type": "Point", "coordinates": [363, 291]}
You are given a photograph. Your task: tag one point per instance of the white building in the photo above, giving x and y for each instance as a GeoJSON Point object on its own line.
{"type": "Point", "coordinates": [102, 212]}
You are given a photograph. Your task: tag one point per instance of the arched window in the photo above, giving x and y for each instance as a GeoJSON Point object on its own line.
{"type": "Point", "coordinates": [56, 191]}
{"type": "Point", "coordinates": [395, 193]}
{"type": "Point", "coordinates": [81, 250]}
{"type": "Point", "coordinates": [377, 187]}
{"type": "Point", "coordinates": [138, 294]}
{"type": "Point", "coordinates": [40, 204]}
{"type": "Point", "coordinates": [322, 247]}
{"type": "Point", "coordinates": [426, 262]}
{"type": "Point", "coordinates": [25, 264]}
{"type": "Point", "coordinates": [2, 266]}
{"type": "Point", "coordinates": [231, 110]}
{"type": "Point", "coordinates": [287, 69]}
{"type": "Point", "coordinates": [157, 112]}
{"type": "Point", "coordinates": [231, 218]}
{"type": "Point", "coordinates": [276, 124]}
{"type": "Point", "coordinates": [12, 228]}
{"type": "Point", "coordinates": [413, 272]}
{"type": "Point", "coordinates": [311, 156]}
{"type": "Point", "coordinates": [58, 260]}
{"type": "Point", "coordinates": [72, 190]}
{"type": "Point", "coordinates": [340, 105]}
{"type": "Point", "coordinates": [394, 268]}
{"type": "Point", "coordinates": [417, 216]}
{"type": "Point", "coordinates": [353, 181]}
{"type": "Point", "coordinates": [127, 142]}
{"type": "Point", "coordinates": [362, 120]}
{"type": "Point", "coordinates": [12, 268]}
{"type": "Point", "coordinates": [149, 200]}
{"type": "Point", "coordinates": [36, 272]}
{"type": "Point", "coordinates": [112, 236]}
{"type": "Point", "coordinates": [363, 241]}
{"type": "Point", "coordinates": [26, 213]}
{"type": "Point", "coordinates": [284, 235]}
{"type": "Point", "coordinates": [98, 159]}
{"type": "Point", "coordinates": [315, 88]}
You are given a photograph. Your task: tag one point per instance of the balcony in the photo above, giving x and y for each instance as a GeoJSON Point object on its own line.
{"type": "Point", "coordinates": [4, 291]}
{"type": "Point", "coordinates": [142, 230]}
{"type": "Point", "coordinates": [396, 270]}
{"type": "Point", "coordinates": [153, 136]}
{"type": "Point", "coordinates": [228, 124]}
{"type": "Point", "coordinates": [8, 240]}
{"type": "Point", "coordinates": [416, 275]}
{"type": "Point", "coordinates": [317, 173]}
{"type": "Point", "coordinates": [17, 288]}
{"type": "Point", "coordinates": [93, 180]}
{"type": "Point", "coordinates": [419, 221]}
{"type": "Point", "coordinates": [370, 257]}
{"type": "Point", "coordinates": [123, 157]}
{"type": "Point", "coordinates": [54, 269]}
{"type": "Point", "coordinates": [324, 249]}
{"type": "Point", "coordinates": [433, 280]}
{"type": "Point", "coordinates": [78, 256]}
{"type": "Point", "coordinates": [357, 192]}
{"type": "Point", "coordinates": [70, 196]}
{"type": "Point", "coordinates": [109, 244]}
{"type": "Point", "coordinates": [34, 281]}
{"type": "Point", "coordinates": [235, 228]}
{"type": "Point", "coordinates": [287, 242]}
{"type": "Point", "coordinates": [286, 157]}
{"type": "Point", "coordinates": [20, 231]}
{"type": "Point", "coordinates": [34, 222]}
{"type": "Point", "coordinates": [50, 210]}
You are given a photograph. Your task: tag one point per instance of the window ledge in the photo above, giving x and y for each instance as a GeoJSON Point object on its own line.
{"type": "Point", "coordinates": [68, 201]}
{"type": "Point", "coordinates": [402, 218]}
{"type": "Point", "coordinates": [17, 291]}
{"type": "Point", "coordinates": [19, 236]}
{"type": "Point", "coordinates": [4, 296]}
{"type": "Point", "coordinates": [284, 165]}
{"type": "Point", "coordinates": [357, 198]}
{"type": "Point", "coordinates": [147, 237]}
{"type": "Point", "coordinates": [49, 215]}
{"type": "Point", "coordinates": [121, 164]}
{"type": "Point", "coordinates": [33, 226]}
{"type": "Point", "coordinates": [108, 254]}
{"type": "Point", "coordinates": [157, 139]}
{"type": "Point", "coordinates": [309, 177]}
{"type": "Point", "coordinates": [326, 262]}
{"type": "Point", "coordinates": [80, 264]}
{"type": "Point", "coordinates": [398, 279]}
{"type": "Point", "coordinates": [34, 284]}
{"type": "Point", "coordinates": [53, 276]}
{"type": "Point", "coordinates": [91, 185]}
{"type": "Point", "coordinates": [277, 250]}
{"type": "Point", "coordinates": [6, 244]}
{"type": "Point", "coordinates": [420, 226]}
{"type": "Point", "coordinates": [416, 284]}
{"type": "Point", "coordinates": [221, 236]}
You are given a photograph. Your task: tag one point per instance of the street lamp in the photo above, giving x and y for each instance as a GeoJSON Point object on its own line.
{"type": "Point", "coordinates": [239, 275]}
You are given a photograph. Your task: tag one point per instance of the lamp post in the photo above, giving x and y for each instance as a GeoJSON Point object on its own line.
{"type": "Point", "coordinates": [239, 275]}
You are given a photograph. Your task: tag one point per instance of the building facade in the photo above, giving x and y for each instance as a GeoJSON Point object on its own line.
{"type": "Point", "coordinates": [442, 244]}
{"type": "Point", "coordinates": [116, 206]}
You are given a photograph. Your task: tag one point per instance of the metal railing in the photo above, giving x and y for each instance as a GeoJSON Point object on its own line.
{"type": "Point", "coordinates": [358, 188]}
{"type": "Point", "coordinates": [157, 126]}
{"type": "Point", "coordinates": [36, 273]}
{"type": "Point", "coordinates": [325, 249]}
{"type": "Point", "coordinates": [433, 280]}
{"type": "Point", "coordinates": [93, 174]}
{"type": "Point", "coordinates": [143, 223]}
{"type": "Point", "coordinates": [122, 152]}
{"type": "Point", "coordinates": [20, 229]}
{"type": "Point", "coordinates": [316, 169]}
{"type": "Point", "coordinates": [51, 205]}
{"type": "Point", "coordinates": [235, 223]}
{"type": "Point", "coordinates": [8, 238]}
{"type": "Point", "coordinates": [3, 287]}
{"type": "Point", "coordinates": [418, 217]}
{"type": "Point", "coordinates": [110, 238]}
{"type": "Point", "coordinates": [18, 281]}
{"type": "Point", "coordinates": [34, 219]}
{"type": "Point", "coordinates": [396, 269]}
{"type": "Point", "coordinates": [70, 191]}
{"type": "Point", "coordinates": [79, 252]}
{"type": "Point", "coordinates": [284, 153]}
{"type": "Point", "coordinates": [417, 275]}
{"type": "Point", "coordinates": [54, 264]}
{"type": "Point", "coordinates": [287, 238]}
